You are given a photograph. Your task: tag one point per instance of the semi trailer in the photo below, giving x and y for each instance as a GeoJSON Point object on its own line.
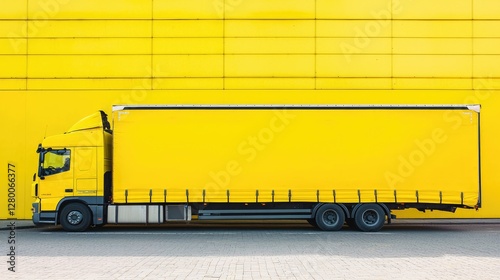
{"type": "Point", "coordinates": [332, 165]}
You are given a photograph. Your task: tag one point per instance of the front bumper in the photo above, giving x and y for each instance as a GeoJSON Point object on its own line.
{"type": "Point", "coordinates": [42, 218]}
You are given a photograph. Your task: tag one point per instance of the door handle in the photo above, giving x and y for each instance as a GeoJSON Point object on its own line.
{"type": "Point", "coordinates": [68, 190]}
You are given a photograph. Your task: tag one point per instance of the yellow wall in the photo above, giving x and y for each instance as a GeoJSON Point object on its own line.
{"type": "Point", "coordinates": [62, 60]}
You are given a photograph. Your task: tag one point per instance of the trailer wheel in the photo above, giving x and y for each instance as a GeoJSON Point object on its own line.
{"type": "Point", "coordinates": [369, 217]}
{"type": "Point", "coordinates": [330, 217]}
{"type": "Point", "coordinates": [75, 217]}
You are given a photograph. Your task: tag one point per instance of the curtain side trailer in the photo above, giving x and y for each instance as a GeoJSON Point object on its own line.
{"type": "Point", "coordinates": [328, 164]}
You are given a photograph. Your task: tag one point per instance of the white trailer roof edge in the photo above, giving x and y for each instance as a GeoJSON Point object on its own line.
{"type": "Point", "coordinates": [473, 107]}
{"type": "Point", "coordinates": [476, 108]}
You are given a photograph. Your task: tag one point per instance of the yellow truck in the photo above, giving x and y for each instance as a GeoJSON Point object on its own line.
{"type": "Point", "coordinates": [328, 164]}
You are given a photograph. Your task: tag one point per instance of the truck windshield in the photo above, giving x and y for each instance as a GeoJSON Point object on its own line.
{"type": "Point", "coordinates": [54, 162]}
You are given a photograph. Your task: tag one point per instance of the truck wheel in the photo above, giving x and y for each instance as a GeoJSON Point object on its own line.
{"type": "Point", "coordinates": [75, 217]}
{"type": "Point", "coordinates": [369, 217]}
{"type": "Point", "coordinates": [330, 217]}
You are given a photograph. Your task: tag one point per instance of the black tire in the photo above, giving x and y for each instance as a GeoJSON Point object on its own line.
{"type": "Point", "coordinates": [369, 217]}
{"type": "Point", "coordinates": [75, 217]}
{"type": "Point", "coordinates": [312, 222]}
{"type": "Point", "coordinates": [330, 217]}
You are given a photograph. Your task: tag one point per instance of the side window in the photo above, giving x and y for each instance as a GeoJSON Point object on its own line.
{"type": "Point", "coordinates": [56, 161]}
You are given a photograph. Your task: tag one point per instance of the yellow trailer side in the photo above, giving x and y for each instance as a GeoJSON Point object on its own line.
{"type": "Point", "coordinates": [343, 154]}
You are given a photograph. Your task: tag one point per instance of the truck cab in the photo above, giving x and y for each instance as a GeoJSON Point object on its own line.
{"type": "Point", "coordinates": [73, 182]}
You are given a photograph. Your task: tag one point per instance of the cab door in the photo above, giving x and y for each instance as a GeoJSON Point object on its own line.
{"type": "Point", "coordinates": [85, 171]}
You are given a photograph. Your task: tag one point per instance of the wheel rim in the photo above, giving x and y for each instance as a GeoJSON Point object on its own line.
{"type": "Point", "coordinates": [370, 217]}
{"type": "Point", "coordinates": [330, 217]}
{"type": "Point", "coordinates": [74, 217]}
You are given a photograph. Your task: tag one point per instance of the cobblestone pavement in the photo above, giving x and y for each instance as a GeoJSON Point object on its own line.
{"type": "Point", "coordinates": [255, 251]}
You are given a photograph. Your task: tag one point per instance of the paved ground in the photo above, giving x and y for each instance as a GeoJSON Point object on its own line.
{"type": "Point", "coordinates": [410, 250]}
